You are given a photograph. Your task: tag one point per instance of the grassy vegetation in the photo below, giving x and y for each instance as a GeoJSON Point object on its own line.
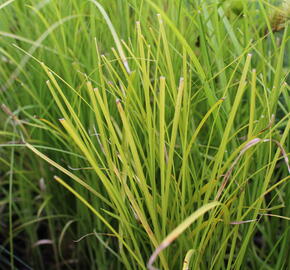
{"type": "Point", "coordinates": [141, 134]}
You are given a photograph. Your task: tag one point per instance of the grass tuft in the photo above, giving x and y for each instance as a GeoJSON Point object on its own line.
{"type": "Point", "coordinates": [154, 132]}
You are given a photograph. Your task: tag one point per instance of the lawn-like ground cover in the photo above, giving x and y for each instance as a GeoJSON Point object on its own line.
{"type": "Point", "coordinates": [137, 134]}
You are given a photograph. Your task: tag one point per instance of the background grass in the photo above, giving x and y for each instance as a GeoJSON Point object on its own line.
{"type": "Point", "coordinates": [129, 124]}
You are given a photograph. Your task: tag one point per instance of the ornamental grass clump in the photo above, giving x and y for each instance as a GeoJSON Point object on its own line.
{"type": "Point", "coordinates": [144, 135]}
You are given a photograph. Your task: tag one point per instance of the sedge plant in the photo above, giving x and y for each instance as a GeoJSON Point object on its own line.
{"type": "Point", "coordinates": [144, 134]}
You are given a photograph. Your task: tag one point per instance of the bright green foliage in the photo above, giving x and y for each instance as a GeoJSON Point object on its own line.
{"type": "Point", "coordinates": [141, 134]}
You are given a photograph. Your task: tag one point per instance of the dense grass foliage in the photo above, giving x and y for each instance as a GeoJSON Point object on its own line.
{"type": "Point", "coordinates": [142, 134]}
